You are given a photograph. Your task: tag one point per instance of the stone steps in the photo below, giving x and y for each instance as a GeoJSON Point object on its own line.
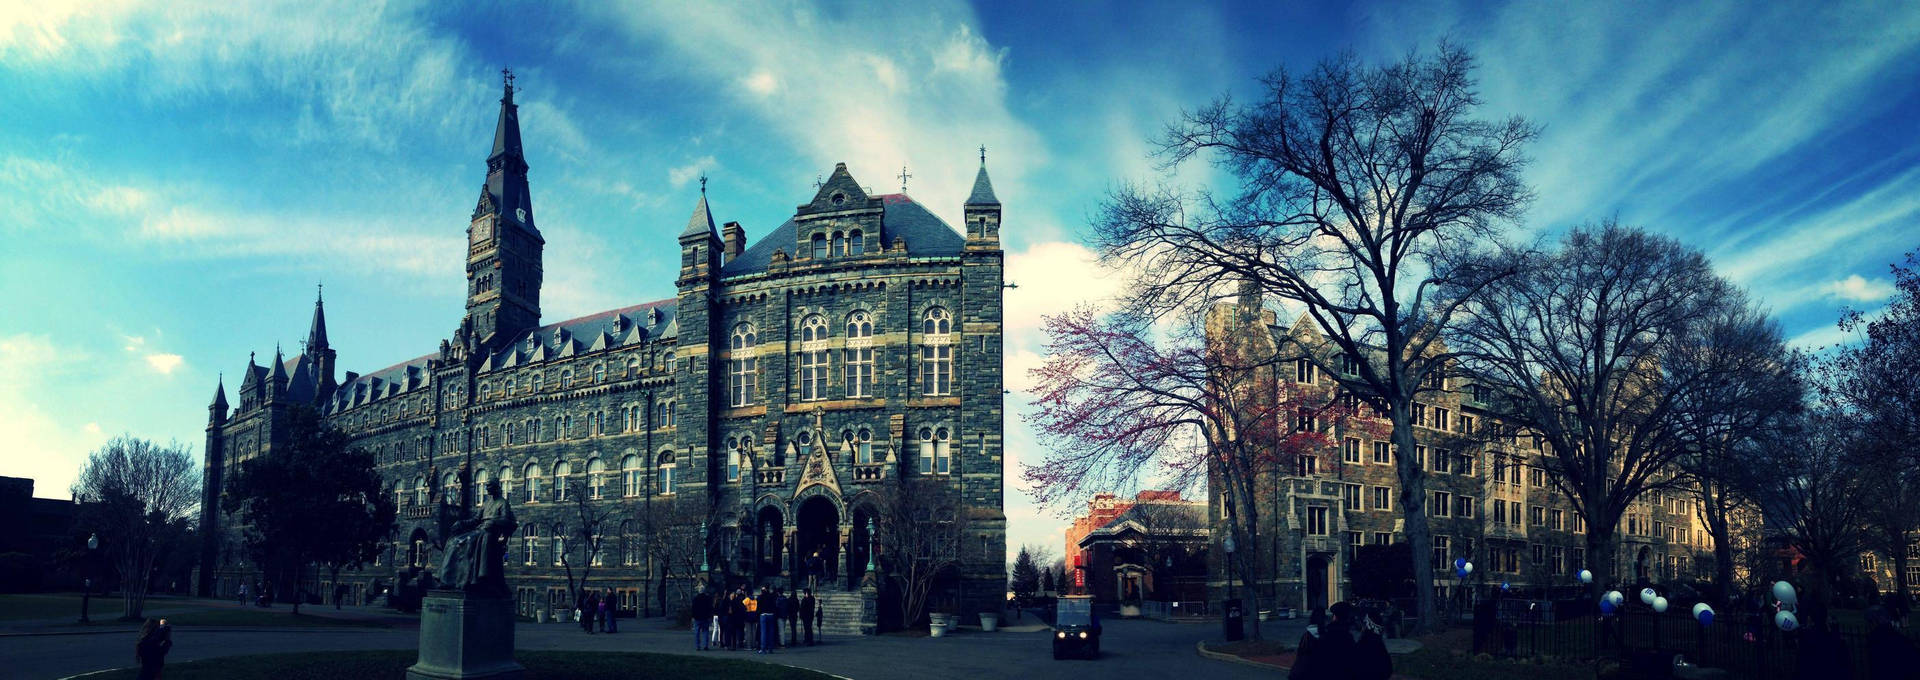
{"type": "Point", "coordinates": [840, 613]}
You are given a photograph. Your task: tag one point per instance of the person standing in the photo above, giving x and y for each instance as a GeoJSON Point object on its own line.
{"type": "Point", "coordinates": [790, 608]}
{"type": "Point", "coordinates": [1308, 662]}
{"type": "Point", "coordinates": [151, 646]}
{"type": "Point", "coordinates": [1371, 661]}
{"type": "Point", "coordinates": [815, 569]}
{"type": "Point", "coordinates": [585, 612]}
{"type": "Point", "coordinates": [769, 607]}
{"type": "Point", "coordinates": [702, 610]}
{"type": "Point", "coordinates": [820, 620]}
{"type": "Point", "coordinates": [243, 594]}
{"type": "Point", "coordinates": [608, 609]}
{"type": "Point", "coordinates": [750, 623]}
{"type": "Point", "coordinates": [807, 606]}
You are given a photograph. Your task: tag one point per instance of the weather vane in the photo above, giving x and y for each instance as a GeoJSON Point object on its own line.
{"type": "Point", "coordinates": [703, 184]}
{"type": "Point", "coordinates": [817, 182]}
{"type": "Point", "coordinates": [904, 177]}
{"type": "Point", "coordinates": [983, 154]}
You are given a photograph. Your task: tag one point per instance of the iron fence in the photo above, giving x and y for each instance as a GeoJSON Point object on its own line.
{"type": "Point", "coordinates": [1746, 645]}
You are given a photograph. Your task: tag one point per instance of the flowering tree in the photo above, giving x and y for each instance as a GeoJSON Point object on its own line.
{"type": "Point", "coordinates": [1118, 406]}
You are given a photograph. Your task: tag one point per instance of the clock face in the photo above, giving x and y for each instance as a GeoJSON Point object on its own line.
{"type": "Point", "coordinates": [520, 213]}
{"type": "Point", "coordinates": [480, 230]}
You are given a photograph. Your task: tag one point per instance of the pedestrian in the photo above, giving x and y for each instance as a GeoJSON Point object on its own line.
{"type": "Point", "coordinates": [769, 621]}
{"type": "Point", "coordinates": [607, 612]}
{"type": "Point", "coordinates": [807, 607]}
{"type": "Point", "coordinates": [702, 610]}
{"type": "Point", "coordinates": [737, 619]}
{"type": "Point", "coordinates": [790, 609]}
{"type": "Point", "coordinates": [1371, 661]}
{"type": "Point", "coordinates": [584, 613]}
{"type": "Point", "coordinates": [243, 594]}
{"type": "Point", "coordinates": [339, 593]}
{"type": "Point", "coordinates": [151, 646]}
{"type": "Point", "coordinates": [815, 567]}
{"type": "Point", "coordinates": [1308, 661]}
{"type": "Point", "coordinates": [820, 620]}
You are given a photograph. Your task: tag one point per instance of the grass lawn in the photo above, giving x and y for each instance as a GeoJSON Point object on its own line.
{"type": "Point", "coordinates": [264, 618]}
{"type": "Point", "coordinates": [540, 665]}
{"type": "Point", "coordinates": [58, 605]}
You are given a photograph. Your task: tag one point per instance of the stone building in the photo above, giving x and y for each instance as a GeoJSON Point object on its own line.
{"type": "Point", "coordinates": [778, 396]}
{"type": "Point", "coordinates": [1488, 499]}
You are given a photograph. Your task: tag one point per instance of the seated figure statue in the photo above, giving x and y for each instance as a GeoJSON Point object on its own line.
{"type": "Point", "coordinates": [476, 556]}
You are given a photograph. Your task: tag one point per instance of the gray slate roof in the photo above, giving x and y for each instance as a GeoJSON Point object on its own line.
{"type": "Point", "coordinates": [982, 189]}
{"type": "Point", "coordinates": [927, 236]}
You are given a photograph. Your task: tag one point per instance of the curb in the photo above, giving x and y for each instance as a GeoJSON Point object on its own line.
{"type": "Point", "coordinates": [1201, 647]}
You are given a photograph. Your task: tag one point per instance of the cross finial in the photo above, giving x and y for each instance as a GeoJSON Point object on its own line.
{"type": "Point", "coordinates": [507, 75]}
{"type": "Point", "coordinates": [703, 184]}
{"type": "Point", "coordinates": [319, 291]}
{"type": "Point", "coordinates": [983, 154]}
{"type": "Point", "coordinates": [904, 177]}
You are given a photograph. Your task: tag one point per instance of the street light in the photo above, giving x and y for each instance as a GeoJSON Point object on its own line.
{"type": "Point", "coordinates": [1229, 547]}
{"type": "Point", "coordinates": [86, 584]}
{"type": "Point", "coordinates": [869, 544]}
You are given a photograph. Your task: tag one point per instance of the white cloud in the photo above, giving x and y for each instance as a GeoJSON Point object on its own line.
{"type": "Point", "coordinates": [1860, 289]}
{"type": "Point", "coordinates": [39, 445]}
{"type": "Point", "coordinates": [164, 363]}
{"type": "Point", "coordinates": [761, 83]}
{"type": "Point", "coordinates": [679, 176]}
{"type": "Point", "coordinates": [1054, 277]}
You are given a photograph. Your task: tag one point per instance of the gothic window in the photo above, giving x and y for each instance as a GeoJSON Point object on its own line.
{"type": "Point", "coordinates": [599, 373]}
{"type": "Point", "coordinates": [936, 353]}
{"type": "Point", "coordinates": [630, 475]}
{"type": "Point", "coordinates": [596, 478]}
{"type": "Point", "coordinates": [663, 414]}
{"type": "Point", "coordinates": [506, 482]}
{"type": "Point", "coordinates": [819, 246]}
{"type": "Point", "coordinates": [856, 242]}
{"type": "Point", "coordinates": [480, 487]}
{"type": "Point", "coordinates": [813, 358]}
{"type": "Point", "coordinates": [536, 382]}
{"type": "Point", "coordinates": [566, 378]}
{"type": "Point", "coordinates": [419, 491]}
{"type": "Point", "coordinates": [862, 442]}
{"type": "Point", "coordinates": [839, 243]}
{"type": "Point", "coordinates": [533, 482]}
{"type": "Point", "coordinates": [858, 358]}
{"type": "Point", "coordinates": [935, 452]}
{"type": "Point", "coordinates": [734, 453]}
{"type": "Point", "coordinates": [531, 537]}
{"type": "Point", "coordinates": [561, 471]}
{"type": "Point", "coordinates": [401, 492]}
{"type": "Point", "coordinates": [449, 485]}
{"type": "Point", "coordinates": [633, 366]}
{"type": "Point", "coordinates": [566, 427]}
{"type": "Point", "coordinates": [559, 545]}
{"type": "Point", "coordinates": [510, 386]}
{"type": "Point", "coordinates": [665, 462]}
{"type": "Point", "coordinates": [744, 367]}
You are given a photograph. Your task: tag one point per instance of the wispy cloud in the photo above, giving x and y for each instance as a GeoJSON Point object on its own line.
{"type": "Point", "coordinates": [1857, 288]}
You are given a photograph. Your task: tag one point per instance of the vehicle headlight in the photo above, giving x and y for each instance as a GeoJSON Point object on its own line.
{"type": "Point", "coordinates": [1083, 635]}
{"type": "Point", "coordinates": [1062, 635]}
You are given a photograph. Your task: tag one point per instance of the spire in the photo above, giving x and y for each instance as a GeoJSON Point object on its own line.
{"type": "Point", "coordinates": [279, 374]}
{"type": "Point", "coordinates": [701, 224]}
{"type": "Point", "coordinates": [982, 186]}
{"type": "Point", "coordinates": [317, 334]}
{"type": "Point", "coordinates": [220, 393]}
{"type": "Point", "coordinates": [507, 163]}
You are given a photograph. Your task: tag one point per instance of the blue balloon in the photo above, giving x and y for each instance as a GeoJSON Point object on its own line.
{"type": "Point", "coordinates": [1459, 563]}
{"type": "Point", "coordinates": [1706, 617]}
{"type": "Point", "coordinates": [1606, 607]}
{"type": "Point", "coordinates": [1505, 586]}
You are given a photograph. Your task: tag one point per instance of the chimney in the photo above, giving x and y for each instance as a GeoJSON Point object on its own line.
{"type": "Point", "coordinates": [734, 239]}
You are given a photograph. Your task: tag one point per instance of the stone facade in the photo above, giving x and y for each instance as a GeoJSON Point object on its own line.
{"type": "Point", "coordinates": [1486, 502]}
{"type": "Point", "coordinates": [778, 394]}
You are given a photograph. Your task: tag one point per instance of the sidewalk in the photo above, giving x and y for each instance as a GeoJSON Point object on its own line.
{"type": "Point", "coordinates": [254, 618]}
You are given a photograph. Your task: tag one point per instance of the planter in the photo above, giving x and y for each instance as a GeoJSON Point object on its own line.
{"type": "Point", "coordinates": [540, 616]}
{"type": "Point", "coordinates": [938, 628]}
{"type": "Point", "coordinates": [989, 621]}
{"type": "Point", "coordinates": [1130, 611]}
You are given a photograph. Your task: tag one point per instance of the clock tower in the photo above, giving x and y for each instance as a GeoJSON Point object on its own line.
{"type": "Point", "coordinates": [503, 246]}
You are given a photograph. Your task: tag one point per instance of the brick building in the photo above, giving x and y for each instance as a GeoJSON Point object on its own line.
{"type": "Point", "coordinates": [785, 386]}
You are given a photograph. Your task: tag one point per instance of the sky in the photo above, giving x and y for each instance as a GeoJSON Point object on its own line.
{"type": "Point", "coordinates": [180, 175]}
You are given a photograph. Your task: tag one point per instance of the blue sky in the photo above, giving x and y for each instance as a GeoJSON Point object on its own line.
{"type": "Point", "coordinates": [179, 175]}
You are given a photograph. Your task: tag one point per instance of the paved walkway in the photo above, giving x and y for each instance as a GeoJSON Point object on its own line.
{"type": "Point", "coordinates": [1132, 649]}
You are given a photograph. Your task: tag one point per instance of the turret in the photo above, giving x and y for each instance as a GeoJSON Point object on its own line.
{"type": "Point", "coordinates": [217, 411]}
{"type": "Point", "coordinates": [982, 208]}
{"type": "Point", "coordinates": [320, 355]}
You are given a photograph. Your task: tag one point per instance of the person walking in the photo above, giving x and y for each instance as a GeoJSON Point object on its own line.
{"type": "Point", "coordinates": [1308, 662]}
{"type": "Point", "coordinates": [820, 620]}
{"type": "Point", "coordinates": [151, 646]}
{"type": "Point", "coordinates": [790, 609]}
{"type": "Point", "coordinates": [807, 607]}
{"type": "Point", "coordinates": [1371, 661]}
{"type": "Point", "coordinates": [607, 611]}
{"type": "Point", "coordinates": [701, 611]}
{"type": "Point", "coordinates": [815, 569]}
{"type": "Point", "coordinates": [585, 613]}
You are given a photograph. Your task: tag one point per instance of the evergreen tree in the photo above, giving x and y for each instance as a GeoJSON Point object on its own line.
{"type": "Point", "coordinates": [1026, 577]}
{"type": "Point", "coordinates": [1046, 580]}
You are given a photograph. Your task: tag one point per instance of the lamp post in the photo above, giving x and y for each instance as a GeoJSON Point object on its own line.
{"type": "Point", "coordinates": [1230, 574]}
{"type": "Point", "coordinates": [86, 584]}
{"type": "Point", "coordinates": [869, 544]}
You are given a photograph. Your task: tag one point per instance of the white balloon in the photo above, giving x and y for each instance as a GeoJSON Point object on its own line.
{"type": "Point", "coordinates": [1616, 598]}
{"type": "Point", "coordinates": [1647, 595]}
{"type": "Point", "coordinates": [1786, 620]}
{"type": "Point", "coordinates": [1468, 567]}
{"type": "Point", "coordinates": [1783, 591]}
{"type": "Point", "coordinates": [1660, 605]}
{"type": "Point", "coordinates": [1699, 607]}
{"type": "Point", "coordinates": [1586, 576]}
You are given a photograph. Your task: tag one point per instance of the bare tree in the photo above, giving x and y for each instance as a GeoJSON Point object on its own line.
{"type": "Point", "coordinates": [1598, 350]}
{"type": "Point", "coordinates": [679, 529]}
{"type": "Point", "coordinates": [1873, 381]}
{"type": "Point", "coordinates": [1812, 488]}
{"type": "Point", "coordinates": [922, 537]}
{"type": "Point", "coordinates": [587, 521]}
{"type": "Point", "coordinates": [1367, 196]}
{"type": "Point", "coordinates": [137, 496]}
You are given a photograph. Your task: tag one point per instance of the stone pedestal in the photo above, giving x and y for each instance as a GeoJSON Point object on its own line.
{"type": "Point", "coordinates": [869, 606]}
{"type": "Point", "coordinates": [465, 636]}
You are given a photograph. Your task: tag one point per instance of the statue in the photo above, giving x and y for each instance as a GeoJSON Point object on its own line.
{"type": "Point", "coordinates": [476, 556]}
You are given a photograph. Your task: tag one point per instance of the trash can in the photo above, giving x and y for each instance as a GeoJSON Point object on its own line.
{"type": "Point", "coordinates": [1233, 620]}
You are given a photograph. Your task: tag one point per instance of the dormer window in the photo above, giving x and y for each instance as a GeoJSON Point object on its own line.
{"type": "Point", "coordinates": [533, 343]}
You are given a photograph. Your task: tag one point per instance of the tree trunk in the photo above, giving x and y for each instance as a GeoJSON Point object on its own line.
{"type": "Point", "coordinates": [1601, 557]}
{"type": "Point", "coordinates": [1722, 557]}
{"type": "Point", "coordinates": [1413, 507]}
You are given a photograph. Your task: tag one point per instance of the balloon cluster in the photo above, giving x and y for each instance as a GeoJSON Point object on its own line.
{"type": "Point", "coordinates": [1461, 567]}
{"type": "Point", "coordinates": [1610, 602]}
{"type": "Point", "coordinates": [1789, 602]}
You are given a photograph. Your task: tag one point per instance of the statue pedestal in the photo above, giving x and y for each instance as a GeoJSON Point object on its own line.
{"type": "Point", "coordinates": [465, 636]}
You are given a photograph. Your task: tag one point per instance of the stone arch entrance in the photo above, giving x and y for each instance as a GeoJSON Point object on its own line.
{"type": "Point", "coordinates": [769, 535]}
{"type": "Point", "coordinates": [817, 530]}
{"type": "Point", "coordinates": [1319, 581]}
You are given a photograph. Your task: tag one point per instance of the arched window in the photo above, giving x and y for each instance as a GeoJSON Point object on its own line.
{"type": "Point", "coordinates": [531, 537]}
{"type": "Point", "coordinates": [633, 366]}
{"type": "Point", "coordinates": [663, 413]}
{"type": "Point", "coordinates": [510, 386]}
{"type": "Point", "coordinates": [480, 486]}
{"type": "Point", "coordinates": [734, 453]}
{"type": "Point", "coordinates": [862, 443]}
{"type": "Point", "coordinates": [839, 243]}
{"type": "Point", "coordinates": [566, 427]}
{"type": "Point", "coordinates": [856, 243]}
{"type": "Point", "coordinates": [596, 477]}
{"type": "Point", "coordinates": [857, 358]}
{"type": "Point", "coordinates": [630, 473]}
{"type": "Point", "coordinates": [562, 471]}
{"type": "Point", "coordinates": [419, 491]}
{"type": "Point", "coordinates": [559, 545]}
{"type": "Point", "coordinates": [402, 493]}
{"type": "Point", "coordinates": [449, 486]}
{"type": "Point", "coordinates": [506, 481]}
{"type": "Point", "coordinates": [600, 372]}
{"type": "Point", "coordinates": [665, 462]}
{"type": "Point", "coordinates": [537, 376]}
{"type": "Point", "coordinates": [533, 482]}
{"type": "Point", "coordinates": [743, 368]}
{"type": "Point", "coordinates": [566, 378]}
{"type": "Point", "coordinates": [813, 358]}
{"type": "Point", "coordinates": [936, 353]}
{"type": "Point", "coordinates": [935, 452]}
{"type": "Point", "coordinates": [819, 246]}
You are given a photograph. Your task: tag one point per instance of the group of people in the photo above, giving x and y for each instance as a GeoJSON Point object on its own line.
{"type": "Point", "coordinates": [740, 619]}
{"type": "Point", "coordinates": [598, 608]}
{"type": "Point", "coordinates": [262, 594]}
{"type": "Point", "coordinates": [1350, 646]}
